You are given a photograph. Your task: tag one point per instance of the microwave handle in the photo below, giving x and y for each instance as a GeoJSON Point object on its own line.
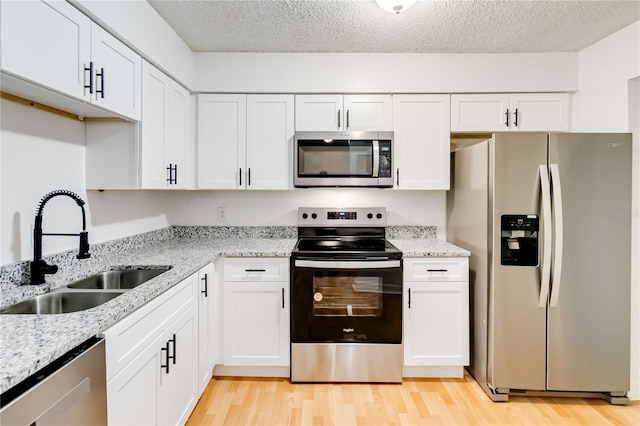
{"type": "Point", "coordinates": [376, 159]}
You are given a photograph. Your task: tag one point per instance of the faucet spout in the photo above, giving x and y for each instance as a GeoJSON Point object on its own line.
{"type": "Point", "coordinates": [38, 266]}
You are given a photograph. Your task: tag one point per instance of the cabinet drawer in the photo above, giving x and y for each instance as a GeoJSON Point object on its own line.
{"type": "Point", "coordinates": [130, 336]}
{"type": "Point", "coordinates": [436, 269]}
{"type": "Point", "coordinates": [256, 269]}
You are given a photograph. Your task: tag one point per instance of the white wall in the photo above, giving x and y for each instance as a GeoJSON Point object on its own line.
{"type": "Point", "coordinates": [608, 100]}
{"type": "Point", "coordinates": [279, 208]}
{"type": "Point", "coordinates": [42, 152]}
{"type": "Point", "coordinates": [384, 73]}
{"type": "Point", "coordinates": [138, 25]}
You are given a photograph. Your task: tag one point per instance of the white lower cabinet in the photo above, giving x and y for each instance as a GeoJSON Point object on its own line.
{"type": "Point", "coordinates": [436, 317]}
{"type": "Point", "coordinates": [256, 315]}
{"type": "Point", "coordinates": [152, 360]}
{"type": "Point", "coordinates": [206, 325]}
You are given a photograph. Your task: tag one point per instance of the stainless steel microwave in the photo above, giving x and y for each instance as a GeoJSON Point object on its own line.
{"type": "Point", "coordinates": [343, 159]}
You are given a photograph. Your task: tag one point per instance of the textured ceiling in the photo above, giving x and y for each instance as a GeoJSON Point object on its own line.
{"type": "Point", "coordinates": [427, 27]}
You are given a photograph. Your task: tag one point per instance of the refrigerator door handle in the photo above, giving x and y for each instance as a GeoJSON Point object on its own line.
{"type": "Point", "coordinates": [545, 276]}
{"type": "Point", "coordinates": [557, 255]}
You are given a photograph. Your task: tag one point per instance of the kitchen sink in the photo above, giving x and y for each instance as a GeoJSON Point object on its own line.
{"type": "Point", "coordinates": [121, 279]}
{"type": "Point", "coordinates": [61, 302]}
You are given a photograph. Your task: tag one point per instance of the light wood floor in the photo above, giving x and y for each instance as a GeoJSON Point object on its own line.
{"type": "Point", "coordinates": [262, 401]}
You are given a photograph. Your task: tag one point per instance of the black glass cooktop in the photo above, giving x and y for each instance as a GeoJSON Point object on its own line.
{"type": "Point", "coordinates": [349, 246]}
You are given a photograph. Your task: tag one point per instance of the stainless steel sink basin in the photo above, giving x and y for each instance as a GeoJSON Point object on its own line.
{"type": "Point", "coordinates": [61, 302]}
{"type": "Point", "coordinates": [122, 279]}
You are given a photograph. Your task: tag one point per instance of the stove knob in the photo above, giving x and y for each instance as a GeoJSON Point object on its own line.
{"type": "Point", "coordinates": [313, 215]}
{"type": "Point", "coordinates": [304, 215]}
{"type": "Point", "coordinates": [370, 216]}
{"type": "Point", "coordinates": [379, 215]}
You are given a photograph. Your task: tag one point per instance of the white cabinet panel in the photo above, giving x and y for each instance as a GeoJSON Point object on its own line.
{"type": "Point", "coordinates": [436, 317]}
{"type": "Point", "coordinates": [421, 141]}
{"type": "Point", "coordinates": [319, 112]}
{"type": "Point", "coordinates": [480, 113]}
{"type": "Point", "coordinates": [256, 324]}
{"type": "Point", "coordinates": [245, 141]}
{"type": "Point", "coordinates": [540, 111]}
{"type": "Point", "coordinates": [164, 129]}
{"type": "Point", "coordinates": [206, 325]}
{"type": "Point", "coordinates": [368, 113]}
{"type": "Point", "coordinates": [437, 323]}
{"type": "Point", "coordinates": [117, 74]}
{"type": "Point", "coordinates": [510, 112]}
{"type": "Point", "coordinates": [348, 112]}
{"type": "Point", "coordinates": [222, 127]}
{"type": "Point", "coordinates": [269, 141]}
{"type": "Point", "coordinates": [47, 42]}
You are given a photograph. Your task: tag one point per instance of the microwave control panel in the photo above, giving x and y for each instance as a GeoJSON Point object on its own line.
{"type": "Point", "coordinates": [384, 168]}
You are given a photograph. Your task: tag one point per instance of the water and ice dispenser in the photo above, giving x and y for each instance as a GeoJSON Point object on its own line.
{"type": "Point", "coordinates": [519, 240]}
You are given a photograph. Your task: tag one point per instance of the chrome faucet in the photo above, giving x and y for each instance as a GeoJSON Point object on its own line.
{"type": "Point", "coordinates": [39, 267]}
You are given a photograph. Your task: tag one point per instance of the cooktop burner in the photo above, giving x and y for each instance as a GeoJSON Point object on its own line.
{"type": "Point", "coordinates": [342, 232]}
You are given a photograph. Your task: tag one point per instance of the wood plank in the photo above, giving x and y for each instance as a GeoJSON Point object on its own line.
{"type": "Point", "coordinates": [276, 401]}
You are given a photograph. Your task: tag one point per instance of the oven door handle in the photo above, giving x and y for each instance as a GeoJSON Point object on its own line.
{"type": "Point", "coordinates": [362, 264]}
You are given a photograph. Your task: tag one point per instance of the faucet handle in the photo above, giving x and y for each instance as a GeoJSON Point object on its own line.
{"type": "Point", "coordinates": [83, 249]}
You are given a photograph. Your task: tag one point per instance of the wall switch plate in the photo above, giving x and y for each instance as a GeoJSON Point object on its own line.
{"type": "Point", "coordinates": [222, 214]}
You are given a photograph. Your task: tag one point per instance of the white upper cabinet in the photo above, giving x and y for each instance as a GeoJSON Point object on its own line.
{"type": "Point", "coordinates": [116, 74]}
{"type": "Point", "coordinates": [510, 112]}
{"type": "Point", "coordinates": [421, 141]}
{"type": "Point", "coordinates": [164, 132]}
{"type": "Point", "coordinates": [46, 42]}
{"type": "Point", "coordinates": [55, 46]}
{"type": "Point", "coordinates": [348, 112]}
{"type": "Point", "coordinates": [245, 141]}
{"type": "Point", "coordinates": [269, 141]}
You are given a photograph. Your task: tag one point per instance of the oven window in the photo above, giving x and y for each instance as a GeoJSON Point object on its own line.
{"type": "Point", "coordinates": [337, 158]}
{"type": "Point", "coordinates": [347, 296]}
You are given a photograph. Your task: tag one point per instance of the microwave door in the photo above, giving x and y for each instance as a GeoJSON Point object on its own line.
{"type": "Point", "coordinates": [335, 159]}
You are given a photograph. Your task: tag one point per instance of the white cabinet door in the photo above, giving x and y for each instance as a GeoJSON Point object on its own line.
{"type": "Point", "coordinates": [368, 113]}
{"type": "Point", "coordinates": [47, 42]}
{"type": "Point", "coordinates": [206, 325]}
{"type": "Point", "coordinates": [421, 141]}
{"type": "Point", "coordinates": [269, 141]}
{"type": "Point", "coordinates": [480, 113]}
{"type": "Point", "coordinates": [539, 112]}
{"type": "Point", "coordinates": [179, 140]}
{"type": "Point", "coordinates": [222, 126]}
{"type": "Point", "coordinates": [117, 73]}
{"type": "Point", "coordinates": [436, 324]}
{"type": "Point", "coordinates": [133, 395]}
{"type": "Point", "coordinates": [154, 128]}
{"type": "Point", "coordinates": [348, 112]}
{"type": "Point", "coordinates": [319, 112]}
{"type": "Point", "coordinates": [256, 324]}
{"type": "Point", "coordinates": [178, 383]}
{"type": "Point", "coordinates": [165, 137]}
{"type": "Point", "coordinates": [510, 112]}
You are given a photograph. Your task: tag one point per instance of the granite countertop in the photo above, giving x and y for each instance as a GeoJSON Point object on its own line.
{"type": "Point", "coordinates": [30, 342]}
{"type": "Point", "coordinates": [421, 247]}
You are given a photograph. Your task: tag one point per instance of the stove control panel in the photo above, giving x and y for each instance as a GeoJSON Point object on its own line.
{"type": "Point", "coordinates": [342, 216]}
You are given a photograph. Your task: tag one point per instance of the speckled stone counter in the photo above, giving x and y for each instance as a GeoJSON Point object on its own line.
{"type": "Point", "coordinates": [30, 342]}
{"type": "Point", "coordinates": [422, 247]}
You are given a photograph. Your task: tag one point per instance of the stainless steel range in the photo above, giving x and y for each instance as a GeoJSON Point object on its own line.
{"type": "Point", "coordinates": [346, 298]}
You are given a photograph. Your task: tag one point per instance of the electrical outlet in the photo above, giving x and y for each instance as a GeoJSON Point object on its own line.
{"type": "Point", "coordinates": [222, 214]}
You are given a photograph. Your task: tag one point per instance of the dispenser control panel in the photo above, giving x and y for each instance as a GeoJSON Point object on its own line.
{"type": "Point", "coordinates": [519, 237]}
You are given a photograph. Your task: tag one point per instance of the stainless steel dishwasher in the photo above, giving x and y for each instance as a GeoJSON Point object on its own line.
{"type": "Point", "coordinates": [70, 391]}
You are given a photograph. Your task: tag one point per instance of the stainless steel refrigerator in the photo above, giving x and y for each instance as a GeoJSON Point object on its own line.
{"type": "Point", "coordinates": [547, 218]}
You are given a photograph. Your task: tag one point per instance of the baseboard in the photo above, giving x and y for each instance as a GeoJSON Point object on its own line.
{"type": "Point", "coordinates": [434, 371]}
{"type": "Point", "coordinates": [248, 371]}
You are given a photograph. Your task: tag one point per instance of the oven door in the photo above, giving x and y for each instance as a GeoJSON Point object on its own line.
{"type": "Point", "coordinates": [346, 301]}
